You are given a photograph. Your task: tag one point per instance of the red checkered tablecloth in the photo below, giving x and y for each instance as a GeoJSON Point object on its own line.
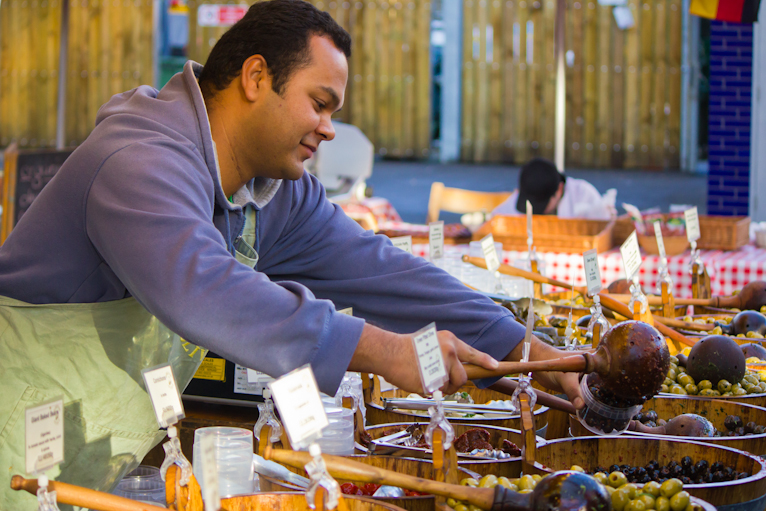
{"type": "Point", "coordinates": [728, 271]}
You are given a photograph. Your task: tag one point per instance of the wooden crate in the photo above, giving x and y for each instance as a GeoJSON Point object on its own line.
{"type": "Point", "coordinates": [724, 232]}
{"type": "Point", "coordinates": [551, 234]}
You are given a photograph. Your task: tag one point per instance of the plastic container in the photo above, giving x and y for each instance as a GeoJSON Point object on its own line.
{"type": "Point", "coordinates": [602, 419]}
{"type": "Point", "coordinates": [234, 457]}
{"type": "Point", "coordinates": [144, 484]}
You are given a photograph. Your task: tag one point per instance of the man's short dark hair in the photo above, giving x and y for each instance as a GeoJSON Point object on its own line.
{"type": "Point", "coordinates": [278, 30]}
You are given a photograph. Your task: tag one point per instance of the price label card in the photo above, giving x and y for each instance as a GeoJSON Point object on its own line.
{"type": "Point", "coordinates": [210, 491]}
{"type": "Point", "coordinates": [490, 253]}
{"type": "Point", "coordinates": [436, 239]}
{"type": "Point", "coordinates": [529, 222]}
{"type": "Point", "coordinates": [432, 371]}
{"type": "Point", "coordinates": [254, 376]}
{"type": "Point", "coordinates": [44, 436]}
{"type": "Point", "coordinates": [631, 256]}
{"type": "Point", "coordinates": [163, 391]}
{"type": "Point", "coordinates": [403, 242]}
{"type": "Point", "coordinates": [297, 397]}
{"type": "Point", "coordinates": [348, 311]}
{"type": "Point", "coordinates": [660, 241]}
{"type": "Point", "coordinates": [592, 271]}
{"type": "Point", "coordinates": [692, 224]}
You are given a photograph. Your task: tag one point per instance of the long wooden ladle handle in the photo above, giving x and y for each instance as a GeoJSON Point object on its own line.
{"type": "Point", "coordinates": [343, 468]}
{"type": "Point", "coordinates": [518, 272]}
{"type": "Point", "coordinates": [620, 308]}
{"type": "Point", "coordinates": [508, 386]}
{"type": "Point", "coordinates": [657, 300]}
{"type": "Point", "coordinates": [83, 497]}
{"type": "Point", "coordinates": [582, 362]}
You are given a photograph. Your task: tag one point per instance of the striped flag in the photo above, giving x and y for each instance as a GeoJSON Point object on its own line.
{"type": "Point", "coordinates": [740, 11]}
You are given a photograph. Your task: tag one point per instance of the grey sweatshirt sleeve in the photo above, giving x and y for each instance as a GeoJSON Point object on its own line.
{"type": "Point", "coordinates": [329, 253]}
{"type": "Point", "coordinates": [154, 230]}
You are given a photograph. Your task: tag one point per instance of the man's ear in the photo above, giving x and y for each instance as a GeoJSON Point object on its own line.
{"type": "Point", "coordinates": [254, 78]}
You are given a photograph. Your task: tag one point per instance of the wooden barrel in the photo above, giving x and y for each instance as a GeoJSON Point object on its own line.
{"type": "Point", "coordinates": [747, 494]}
{"type": "Point", "coordinates": [297, 502]}
{"type": "Point", "coordinates": [510, 467]}
{"type": "Point", "coordinates": [376, 414]}
{"type": "Point", "coordinates": [715, 411]}
{"type": "Point", "coordinates": [410, 466]}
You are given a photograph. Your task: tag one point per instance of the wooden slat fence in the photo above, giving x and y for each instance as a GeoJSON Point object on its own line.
{"type": "Point", "coordinates": [389, 87]}
{"type": "Point", "coordinates": [623, 86]}
{"type": "Point", "coordinates": [109, 51]}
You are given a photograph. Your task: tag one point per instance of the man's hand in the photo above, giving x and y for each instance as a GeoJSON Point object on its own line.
{"type": "Point", "coordinates": [568, 383]}
{"type": "Point", "coordinates": [393, 357]}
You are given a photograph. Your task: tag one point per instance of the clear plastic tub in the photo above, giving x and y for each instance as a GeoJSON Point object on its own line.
{"type": "Point", "coordinates": [602, 419]}
{"type": "Point", "coordinates": [143, 484]}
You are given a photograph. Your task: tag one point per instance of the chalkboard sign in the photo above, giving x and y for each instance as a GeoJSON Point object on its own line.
{"type": "Point", "coordinates": [26, 172]}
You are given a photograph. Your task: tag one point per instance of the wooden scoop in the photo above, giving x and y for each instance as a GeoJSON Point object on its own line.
{"type": "Point", "coordinates": [518, 272]}
{"type": "Point", "coordinates": [508, 386]}
{"type": "Point", "coordinates": [83, 497]}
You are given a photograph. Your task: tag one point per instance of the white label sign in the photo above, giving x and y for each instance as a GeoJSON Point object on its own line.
{"type": "Point", "coordinates": [529, 222]}
{"type": "Point", "coordinates": [44, 436]}
{"type": "Point", "coordinates": [348, 311]}
{"type": "Point", "coordinates": [163, 391]}
{"type": "Point", "coordinates": [592, 272]}
{"type": "Point", "coordinates": [403, 242]}
{"type": "Point", "coordinates": [660, 241]}
{"type": "Point", "coordinates": [631, 256]}
{"type": "Point", "coordinates": [490, 253]}
{"type": "Point", "coordinates": [432, 371]}
{"type": "Point", "coordinates": [210, 493]}
{"type": "Point", "coordinates": [692, 224]}
{"type": "Point", "coordinates": [297, 397]}
{"type": "Point", "coordinates": [436, 239]}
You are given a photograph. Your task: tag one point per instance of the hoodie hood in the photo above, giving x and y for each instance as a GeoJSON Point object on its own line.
{"type": "Point", "coordinates": [168, 111]}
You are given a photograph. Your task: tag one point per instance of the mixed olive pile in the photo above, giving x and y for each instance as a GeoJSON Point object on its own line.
{"type": "Point", "coordinates": [686, 472]}
{"type": "Point", "coordinates": [625, 495]}
{"type": "Point", "coordinates": [681, 383]}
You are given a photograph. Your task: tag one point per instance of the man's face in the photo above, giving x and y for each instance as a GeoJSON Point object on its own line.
{"type": "Point", "coordinates": [553, 202]}
{"type": "Point", "coordinates": [288, 128]}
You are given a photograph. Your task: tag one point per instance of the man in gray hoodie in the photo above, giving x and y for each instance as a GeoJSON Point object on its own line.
{"type": "Point", "coordinates": [193, 200]}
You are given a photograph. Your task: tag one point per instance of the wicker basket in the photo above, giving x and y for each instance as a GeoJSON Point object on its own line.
{"type": "Point", "coordinates": [552, 234]}
{"type": "Point", "coordinates": [724, 232]}
{"type": "Point", "coordinates": [674, 245]}
{"type": "Point", "coordinates": [623, 226]}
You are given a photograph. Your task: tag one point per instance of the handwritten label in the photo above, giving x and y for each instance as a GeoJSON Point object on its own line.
{"type": "Point", "coordinates": [660, 241]}
{"type": "Point", "coordinates": [592, 271]}
{"type": "Point", "coordinates": [44, 436]}
{"type": "Point", "coordinates": [490, 253]}
{"type": "Point", "coordinates": [692, 224]}
{"type": "Point", "coordinates": [297, 397]}
{"type": "Point", "coordinates": [403, 242]}
{"type": "Point", "coordinates": [210, 490]}
{"type": "Point", "coordinates": [433, 374]}
{"type": "Point", "coordinates": [163, 391]}
{"type": "Point", "coordinates": [631, 256]}
{"type": "Point", "coordinates": [436, 239]}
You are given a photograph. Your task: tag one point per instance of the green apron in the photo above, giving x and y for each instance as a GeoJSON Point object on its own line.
{"type": "Point", "coordinates": [92, 355]}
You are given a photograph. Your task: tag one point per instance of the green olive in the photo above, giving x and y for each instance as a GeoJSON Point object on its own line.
{"type": "Point", "coordinates": [617, 479]}
{"type": "Point", "coordinates": [693, 507]}
{"type": "Point", "coordinates": [754, 389]}
{"type": "Point", "coordinates": [739, 392]}
{"type": "Point", "coordinates": [672, 374]}
{"type": "Point", "coordinates": [633, 490]}
{"type": "Point", "coordinates": [752, 379]}
{"type": "Point", "coordinates": [716, 393]}
{"type": "Point", "coordinates": [671, 487]}
{"type": "Point", "coordinates": [460, 507]}
{"type": "Point", "coordinates": [762, 386]}
{"type": "Point", "coordinates": [664, 388]}
{"type": "Point", "coordinates": [601, 478]}
{"type": "Point", "coordinates": [673, 360]}
{"type": "Point", "coordinates": [537, 478]}
{"type": "Point", "coordinates": [505, 482]}
{"type": "Point", "coordinates": [677, 389]}
{"type": "Point", "coordinates": [647, 499]}
{"type": "Point", "coordinates": [691, 389]}
{"type": "Point", "coordinates": [684, 379]}
{"type": "Point", "coordinates": [724, 386]}
{"type": "Point", "coordinates": [652, 488]}
{"type": "Point", "coordinates": [679, 501]}
{"type": "Point", "coordinates": [620, 499]}
{"type": "Point", "coordinates": [636, 505]}
{"type": "Point", "coordinates": [704, 384]}
{"type": "Point", "coordinates": [451, 502]}
{"type": "Point", "coordinates": [610, 490]}
{"type": "Point", "coordinates": [474, 508]}
{"type": "Point", "coordinates": [662, 504]}
{"type": "Point", "coordinates": [469, 481]}
{"type": "Point", "coordinates": [709, 392]}
{"type": "Point", "coordinates": [528, 490]}
{"type": "Point", "coordinates": [577, 468]}
{"type": "Point", "coordinates": [526, 482]}
{"type": "Point", "coordinates": [488, 481]}
{"type": "Point", "coordinates": [727, 394]}
{"type": "Point", "coordinates": [669, 382]}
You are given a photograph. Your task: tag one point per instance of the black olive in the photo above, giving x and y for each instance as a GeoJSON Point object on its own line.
{"type": "Point", "coordinates": [719, 477]}
{"type": "Point", "coordinates": [614, 468]}
{"type": "Point", "coordinates": [732, 422]}
{"type": "Point", "coordinates": [639, 417]}
{"type": "Point", "coordinates": [716, 466]}
{"type": "Point", "coordinates": [651, 415]}
{"type": "Point", "coordinates": [750, 426]}
{"type": "Point", "coordinates": [686, 462]}
{"type": "Point", "coordinates": [742, 475]}
{"type": "Point", "coordinates": [677, 471]}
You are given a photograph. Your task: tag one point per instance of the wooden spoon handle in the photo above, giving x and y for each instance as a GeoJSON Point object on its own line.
{"type": "Point", "coordinates": [83, 497]}
{"type": "Point", "coordinates": [657, 300]}
{"type": "Point", "coordinates": [677, 323]}
{"type": "Point", "coordinates": [620, 308]}
{"type": "Point", "coordinates": [573, 364]}
{"type": "Point", "coordinates": [343, 468]}
{"type": "Point", "coordinates": [518, 272]}
{"type": "Point", "coordinates": [508, 386]}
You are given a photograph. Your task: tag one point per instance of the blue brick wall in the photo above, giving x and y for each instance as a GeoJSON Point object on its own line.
{"type": "Point", "coordinates": [731, 61]}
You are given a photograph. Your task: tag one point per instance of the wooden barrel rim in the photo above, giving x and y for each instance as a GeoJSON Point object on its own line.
{"type": "Point", "coordinates": [373, 502]}
{"type": "Point", "coordinates": [539, 410]}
